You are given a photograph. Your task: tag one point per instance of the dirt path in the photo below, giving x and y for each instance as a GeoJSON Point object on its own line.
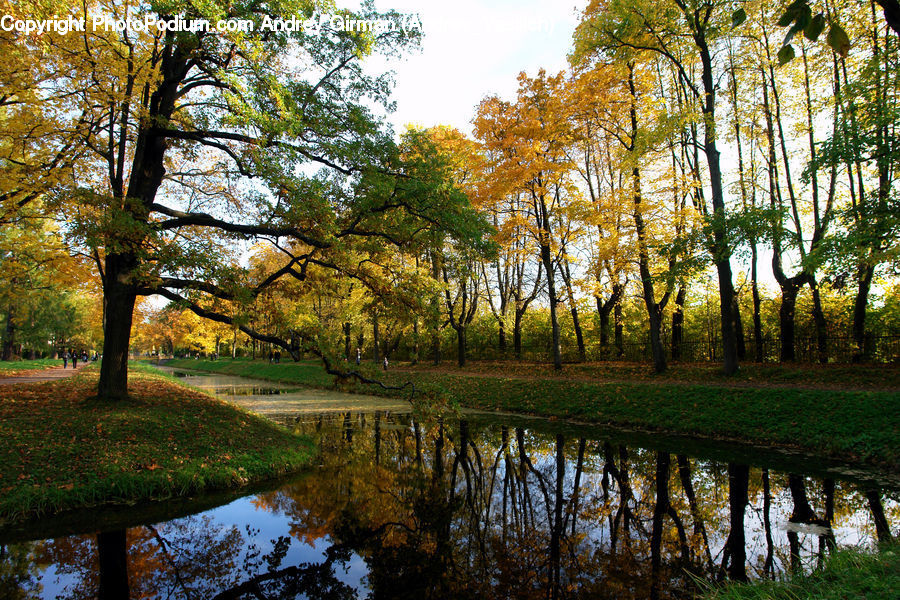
{"type": "Point", "coordinates": [43, 375]}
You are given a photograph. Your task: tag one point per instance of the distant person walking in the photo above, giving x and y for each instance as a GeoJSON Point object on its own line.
{"type": "Point", "coordinates": [384, 363]}
{"type": "Point", "coordinates": [65, 356]}
{"type": "Point", "coordinates": [358, 356]}
{"type": "Point", "coordinates": [74, 360]}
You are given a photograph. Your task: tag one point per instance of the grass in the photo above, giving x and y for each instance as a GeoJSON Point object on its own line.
{"type": "Point", "coordinates": [60, 450]}
{"type": "Point", "coordinates": [849, 573]}
{"type": "Point", "coordinates": [13, 368]}
{"type": "Point", "coordinates": [853, 426]}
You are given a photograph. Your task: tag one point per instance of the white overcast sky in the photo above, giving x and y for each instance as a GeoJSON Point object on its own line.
{"type": "Point", "coordinates": [472, 49]}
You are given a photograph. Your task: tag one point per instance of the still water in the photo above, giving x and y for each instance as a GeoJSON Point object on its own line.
{"type": "Point", "coordinates": [465, 506]}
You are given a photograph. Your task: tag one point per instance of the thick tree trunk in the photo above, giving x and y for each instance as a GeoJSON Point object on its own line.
{"type": "Point", "coordinates": [789, 290]}
{"type": "Point", "coordinates": [112, 556]}
{"type": "Point", "coordinates": [120, 298]}
{"type": "Point", "coordinates": [660, 508]}
{"type": "Point", "coordinates": [461, 345]}
{"type": "Point", "coordinates": [501, 337]}
{"type": "Point", "coordinates": [738, 498]}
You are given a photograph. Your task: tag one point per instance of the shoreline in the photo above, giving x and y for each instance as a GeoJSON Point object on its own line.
{"type": "Point", "coordinates": [853, 427]}
{"type": "Point", "coordinates": [167, 441]}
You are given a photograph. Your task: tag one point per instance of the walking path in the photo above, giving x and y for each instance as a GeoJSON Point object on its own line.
{"type": "Point", "coordinates": [45, 375]}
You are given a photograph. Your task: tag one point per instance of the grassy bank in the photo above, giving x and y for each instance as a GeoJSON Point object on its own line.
{"type": "Point", "coordinates": [848, 573]}
{"type": "Point", "coordinates": [60, 450]}
{"type": "Point", "coordinates": [861, 426]}
{"type": "Point", "coordinates": [14, 368]}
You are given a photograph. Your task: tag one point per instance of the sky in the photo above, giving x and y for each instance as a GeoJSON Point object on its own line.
{"type": "Point", "coordinates": [472, 49]}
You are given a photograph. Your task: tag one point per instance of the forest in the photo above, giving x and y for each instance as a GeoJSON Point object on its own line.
{"type": "Point", "coordinates": [709, 180]}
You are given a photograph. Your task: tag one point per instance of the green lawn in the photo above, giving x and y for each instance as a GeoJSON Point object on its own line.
{"type": "Point", "coordinates": [61, 450]}
{"type": "Point", "coordinates": [11, 368]}
{"type": "Point", "coordinates": [849, 573]}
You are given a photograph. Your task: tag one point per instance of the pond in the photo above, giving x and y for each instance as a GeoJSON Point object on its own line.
{"type": "Point", "coordinates": [472, 505]}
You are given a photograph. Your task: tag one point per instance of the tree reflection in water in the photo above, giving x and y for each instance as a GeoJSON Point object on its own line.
{"type": "Point", "coordinates": [469, 509]}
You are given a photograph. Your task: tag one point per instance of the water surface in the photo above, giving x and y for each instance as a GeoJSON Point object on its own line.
{"type": "Point", "coordinates": [471, 505]}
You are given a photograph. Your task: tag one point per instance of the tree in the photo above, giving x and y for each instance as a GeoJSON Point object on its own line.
{"type": "Point", "coordinates": [200, 137]}
{"type": "Point", "coordinates": [684, 33]}
{"type": "Point", "coordinates": [528, 141]}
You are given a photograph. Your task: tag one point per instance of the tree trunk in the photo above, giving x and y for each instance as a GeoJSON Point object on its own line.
{"type": "Point", "coordinates": [864, 281]}
{"type": "Point", "coordinates": [739, 330]}
{"type": "Point", "coordinates": [738, 486]}
{"type": "Point", "coordinates": [112, 556]}
{"type": "Point", "coordinates": [660, 508]}
{"type": "Point", "coordinates": [346, 328]}
{"type": "Point", "coordinates": [120, 298]}
{"type": "Point", "coordinates": [517, 334]}
{"type": "Point", "coordinates": [375, 340]}
{"type": "Point", "coordinates": [415, 356]}
{"type": "Point", "coordinates": [501, 337]}
{"type": "Point", "coordinates": [9, 334]}
{"type": "Point", "coordinates": [678, 322]}
{"type": "Point", "coordinates": [604, 325]}
{"type": "Point", "coordinates": [618, 323]}
{"type": "Point", "coordinates": [554, 301]}
{"type": "Point", "coordinates": [461, 345]}
{"type": "Point", "coordinates": [789, 290]}
{"type": "Point", "coordinates": [820, 322]}
{"type": "Point", "coordinates": [757, 304]}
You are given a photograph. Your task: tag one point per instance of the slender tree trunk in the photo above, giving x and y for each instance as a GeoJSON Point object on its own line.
{"type": "Point", "coordinates": [618, 324]}
{"type": "Point", "coordinates": [517, 334]}
{"type": "Point", "coordinates": [376, 339]}
{"type": "Point", "coordinates": [415, 356]}
{"type": "Point", "coordinates": [556, 530]}
{"type": "Point", "coordinates": [573, 308]}
{"type": "Point", "coordinates": [739, 330]}
{"type": "Point", "coordinates": [678, 322]}
{"type": "Point", "coordinates": [720, 251]}
{"type": "Point", "coordinates": [757, 305]}
{"type": "Point", "coordinates": [554, 302]}
{"type": "Point", "coordinates": [820, 322]}
{"type": "Point", "coordinates": [864, 277]}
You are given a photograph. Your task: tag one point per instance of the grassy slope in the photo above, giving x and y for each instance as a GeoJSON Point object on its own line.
{"type": "Point", "coordinates": [19, 367]}
{"type": "Point", "coordinates": [854, 426]}
{"type": "Point", "coordinates": [59, 450]}
{"type": "Point", "coordinates": [847, 574]}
